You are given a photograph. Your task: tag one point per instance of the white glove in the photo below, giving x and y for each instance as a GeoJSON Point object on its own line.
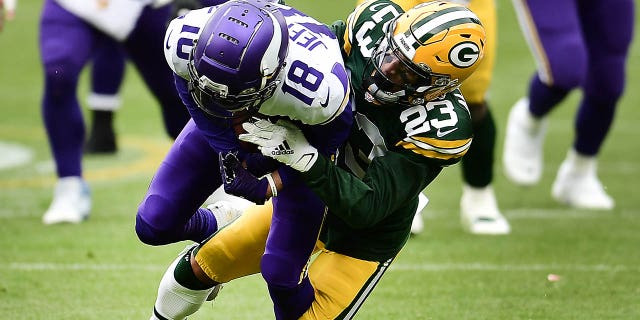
{"type": "Point", "coordinates": [282, 141]}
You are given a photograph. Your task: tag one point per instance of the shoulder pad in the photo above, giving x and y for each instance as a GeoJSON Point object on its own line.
{"type": "Point", "coordinates": [440, 129]}
{"type": "Point", "coordinates": [368, 22]}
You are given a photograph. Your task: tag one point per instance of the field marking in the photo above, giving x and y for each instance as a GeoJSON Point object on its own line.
{"type": "Point", "coordinates": [152, 152]}
{"type": "Point", "coordinates": [540, 213]}
{"type": "Point", "coordinates": [427, 267]}
{"type": "Point", "coordinates": [14, 155]}
{"type": "Point", "coordinates": [513, 267]}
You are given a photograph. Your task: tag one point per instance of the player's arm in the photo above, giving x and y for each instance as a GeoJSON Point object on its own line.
{"type": "Point", "coordinates": [390, 182]}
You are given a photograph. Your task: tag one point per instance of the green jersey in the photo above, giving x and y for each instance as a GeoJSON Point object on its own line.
{"type": "Point", "coordinates": [392, 154]}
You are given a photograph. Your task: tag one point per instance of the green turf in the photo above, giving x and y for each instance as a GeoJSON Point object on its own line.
{"type": "Point", "coordinates": [99, 270]}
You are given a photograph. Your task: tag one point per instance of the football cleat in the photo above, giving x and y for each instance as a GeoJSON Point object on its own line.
{"type": "Point", "coordinates": [224, 212]}
{"type": "Point", "coordinates": [479, 213]}
{"type": "Point", "coordinates": [102, 137]}
{"type": "Point", "coordinates": [101, 140]}
{"type": "Point", "coordinates": [417, 225]}
{"type": "Point", "coordinates": [71, 202]}
{"type": "Point", "coordinates": [214, 293]}
{"type": "Point", "coordinates": [523, 145]}
{"type": "Point", "coordinates": [578, 186]}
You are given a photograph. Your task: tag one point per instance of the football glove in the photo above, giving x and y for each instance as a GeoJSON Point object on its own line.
{"type": "Point", "coordinates": [282, 141]}
{"type": "Point", "coordinates": [259, 165]}
{"type": "Point", "coordinates": [239, 182]}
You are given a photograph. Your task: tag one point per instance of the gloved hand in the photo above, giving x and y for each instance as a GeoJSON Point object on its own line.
{"type": "Point", "coordinates": [239, 182]}
{"type": "Point", "coordinates": [282, 141]}
{"type": "Point", "coordinates": [259, 165]}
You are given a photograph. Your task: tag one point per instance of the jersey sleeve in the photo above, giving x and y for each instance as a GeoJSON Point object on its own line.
{"type": "Point", "coordinates": [389, 183]}
{"type": "Point", "coordinates": [366, 24]}
{"type": "Point", "coordinates": [440, 131]}
{"type": "Point", "coordinates": [314, 86]}
{"type": "Point", "coordinates": [179, 38]}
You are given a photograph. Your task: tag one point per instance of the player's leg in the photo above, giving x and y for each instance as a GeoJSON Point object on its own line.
{"type": "Point", "coordinates": [106, 77]}
{"type": "Point", "coordinates": [66, 43]}
{"type": "Point", "coordinates": [608, 29]}
{"type": "Point", "coordinates": [553, 32]}
{"type": "Point", "coordinates": [341, 284]}
{"type": "Point", "coordinates": [170, 211]}
{"type": "Point", "coordinates": [297, 218]}
{"type": "Point", "coordinates": [231, 253]}
{"type": "Point", "coordinates": [479, 212]}
{"type": "Point", "coordinates": [144, 49]}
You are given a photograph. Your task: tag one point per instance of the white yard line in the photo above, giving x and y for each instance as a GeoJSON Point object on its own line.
{"type": "Point", "coordinates": [534, 213]}
{"type": "Point", "coordinates": [426, 267]}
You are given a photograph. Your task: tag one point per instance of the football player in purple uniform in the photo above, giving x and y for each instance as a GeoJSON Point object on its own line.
{"type": "Point", "coordinates": [106, 77]}
{"type": "Point", "coordinates": [576, 45]}
{"type": "Point", "coordinates": [107, 73]}
{"type": "Point", "coordinates": [69, 33]}
{"type": "Point", "coordinates": [232, 62]}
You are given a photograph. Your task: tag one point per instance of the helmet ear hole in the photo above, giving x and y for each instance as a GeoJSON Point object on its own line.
{"type": "Point", "coordinates": [236, 60]}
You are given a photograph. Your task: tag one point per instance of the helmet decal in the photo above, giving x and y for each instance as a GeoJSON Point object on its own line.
{"type": "Point", "coordinates": [464, 54]}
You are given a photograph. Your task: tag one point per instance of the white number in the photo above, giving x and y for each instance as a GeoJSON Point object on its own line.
{"type": "Point", "coordinates": [365, 41]}
{"type": "Point", "coordinates": [416, 117]}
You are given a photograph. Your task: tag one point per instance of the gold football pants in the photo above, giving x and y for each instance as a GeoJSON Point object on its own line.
{"type": "Point", "coordinates": [341, 283]}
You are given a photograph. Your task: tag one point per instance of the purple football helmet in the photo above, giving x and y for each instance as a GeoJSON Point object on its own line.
{"type": "Point", "coordinates": [236, 61]}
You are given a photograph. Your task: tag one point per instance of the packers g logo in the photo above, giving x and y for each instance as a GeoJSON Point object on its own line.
{"type": "Point", "coordinates": [464, 54]}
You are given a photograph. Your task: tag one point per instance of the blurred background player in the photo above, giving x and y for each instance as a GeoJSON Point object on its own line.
{"type": "Point", "coordinates": [107, 73]}
{"type": "Point", "coordinates": [479, 211]}
{"type": "Point", "coordinates": [70, 32]}
{"type": "Point", "coordinates": [576, 45]}
{"type": "Point", "coordinates": [7, 11]}
{"type": "Point", "coordinates": [106, 77]}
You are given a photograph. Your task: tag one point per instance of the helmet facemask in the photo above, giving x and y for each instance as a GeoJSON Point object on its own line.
{"type": "Point", "coordinates": [215, 100]}
{"type": "Point", "coordinates": [397, 80]}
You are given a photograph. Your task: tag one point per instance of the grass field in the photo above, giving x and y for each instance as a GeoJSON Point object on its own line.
{"type": "Point", "coordinates": [99, 270]}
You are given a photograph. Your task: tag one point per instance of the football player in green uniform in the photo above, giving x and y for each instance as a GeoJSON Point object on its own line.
{"type": "Point", "coordinates": [411, 121]}
{"type": "Point", "coordinates": [479, 211]}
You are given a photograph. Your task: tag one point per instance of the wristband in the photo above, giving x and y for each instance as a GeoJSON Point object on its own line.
{"type": "Point", "coordinates": [272, 184]}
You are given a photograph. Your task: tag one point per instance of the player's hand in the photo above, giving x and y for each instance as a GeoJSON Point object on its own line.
{"type": "Point", "coordinates": [282, 141]}
{"type": "Point", "coordinates": [239, 182]}
{"type": "Point", "coordinates": [259, 165]}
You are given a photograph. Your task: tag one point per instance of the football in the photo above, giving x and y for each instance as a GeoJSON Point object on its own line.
{"type": "Point", "coordinates": [236, 125]}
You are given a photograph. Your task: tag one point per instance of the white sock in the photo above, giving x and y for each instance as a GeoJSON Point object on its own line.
{"type": "Point", "coordinates": [174, 301]}
{"type": "Point", "coordinates": [103, 102]}
{"type": "Point", "coordinates": [581, 163]}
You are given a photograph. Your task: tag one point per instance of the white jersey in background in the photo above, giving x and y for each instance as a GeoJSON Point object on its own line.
{"type": "Point", "coordinates": [117, 18]}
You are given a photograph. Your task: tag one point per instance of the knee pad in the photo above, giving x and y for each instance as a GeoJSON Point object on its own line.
{"type": "Point", "coordinates": [147, 234]}
{"type": "Point", "coordinates": [279, 271]}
